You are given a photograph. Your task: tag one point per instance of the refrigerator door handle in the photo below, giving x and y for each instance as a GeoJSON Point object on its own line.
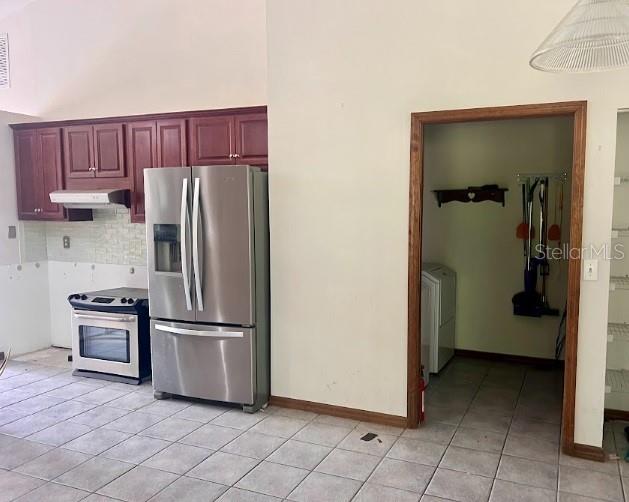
{"type": "Point", "coordinates": [194, 332]}
{"type": "Point", "coordinates": [195, 245]}
{"type": "Point", "coordinates": [184, 238]}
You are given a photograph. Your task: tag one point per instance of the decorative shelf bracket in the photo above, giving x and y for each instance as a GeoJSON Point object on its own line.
{"type": "Point", "coordinates": [472, 194]}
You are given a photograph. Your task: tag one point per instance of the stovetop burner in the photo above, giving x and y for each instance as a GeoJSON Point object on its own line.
{"type": "Point", "coordinates": [120, 300]}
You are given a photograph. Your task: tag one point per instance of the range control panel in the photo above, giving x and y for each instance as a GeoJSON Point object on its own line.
{"type": "Point", "coordinates": [86, 300]}
{"type": "Point", "coordinates": [123, 300]}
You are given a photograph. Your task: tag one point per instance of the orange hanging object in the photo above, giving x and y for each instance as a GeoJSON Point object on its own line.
{"type": "Point", "coordinates": [554, 232]}
{"type": "Point", "coordinates": [522, 232]}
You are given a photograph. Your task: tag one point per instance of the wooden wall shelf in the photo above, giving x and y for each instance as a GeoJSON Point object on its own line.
{"type": "Point", "coordinates": [472, 194]}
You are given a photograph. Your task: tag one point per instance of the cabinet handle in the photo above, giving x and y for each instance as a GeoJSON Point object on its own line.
{"type": "Point", "coordinates": [236, 155]}
{"type": "Point", "coordinates": [231, 155]}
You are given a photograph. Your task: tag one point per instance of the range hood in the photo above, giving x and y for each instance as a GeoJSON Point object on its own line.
{"type": "Point", "coordinates": [91, 199]}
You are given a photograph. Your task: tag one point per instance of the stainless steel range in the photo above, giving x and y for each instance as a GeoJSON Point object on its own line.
{"type": "Point", "coordinates": [111, 334]}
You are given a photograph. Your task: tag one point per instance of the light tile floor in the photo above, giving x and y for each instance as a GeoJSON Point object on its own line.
{"type": "Point", "coordinates": [492, 433]}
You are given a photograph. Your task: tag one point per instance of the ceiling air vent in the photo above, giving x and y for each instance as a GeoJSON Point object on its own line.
{"type": "Point", "coordinates": [4, 60]}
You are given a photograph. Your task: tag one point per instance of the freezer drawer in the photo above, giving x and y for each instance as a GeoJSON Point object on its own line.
{"type": "Point", "coordinates": [205, 362]}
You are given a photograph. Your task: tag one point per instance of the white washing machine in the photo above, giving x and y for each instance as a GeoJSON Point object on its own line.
{"type": "Point", "coordinates": [438, 316]}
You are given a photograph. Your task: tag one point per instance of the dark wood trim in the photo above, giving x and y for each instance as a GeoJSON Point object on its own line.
{"type": "Point", "coordinates": [616, 415]}
{"type": "Point", "coordinates": [575, 109]}
{"type": "Point", "coordinates": [574, 282]}
{"type": "Point", "coordinates": [338, 411]}
{"type": "Point", "coordinates": [148, 116]}
{"type": "Point", "coordinates": [510, 358]}
{"type": "Point", "coordinates": [595, 453]}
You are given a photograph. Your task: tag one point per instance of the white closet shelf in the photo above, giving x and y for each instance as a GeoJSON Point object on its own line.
{"type": "Point", "coordinates": [620, 232]}
{"type": "Point", "coordinates": [618, 331]}
{"type": "Point", "coordinates": [618, 282]}
{"type": "Point", "coordinates": [617, 381]}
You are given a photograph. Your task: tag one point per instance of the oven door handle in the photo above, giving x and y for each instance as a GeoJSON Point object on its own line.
{"type": "Point", "coordinates": [194, 332]}
{"type": "Point", "coordinates": [95, 317]}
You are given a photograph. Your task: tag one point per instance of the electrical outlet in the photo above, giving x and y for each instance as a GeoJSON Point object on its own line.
{"type": "Point", "coordinates": [66, 242]}
{"type": "Point", "coordinates": [590, 270]}
{"type": "Point", "coordinates": [12, 232]}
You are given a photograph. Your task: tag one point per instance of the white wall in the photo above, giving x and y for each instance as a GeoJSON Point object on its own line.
{"type": "Point", "coordinates": [77, 59]}
{"type": "Point", "coordinates": [478, 240]}
{"type": "Point", "coordinates": [24, 307]}
{"type": "Point", "coordinates": [343, 80]}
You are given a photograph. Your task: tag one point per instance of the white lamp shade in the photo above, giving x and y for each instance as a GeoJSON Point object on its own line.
{"type": "Point", "coordinates": [594, 36]}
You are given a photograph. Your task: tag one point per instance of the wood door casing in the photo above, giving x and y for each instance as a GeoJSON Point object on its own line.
{"type": "Point", "coordinates": [252, 144]}
{"type": "Point", "coordinates": [28, 180]}
{"type": "Point", "coordinates": [171, 143]}
{"type": "Point", "coordinates": [141, 154]}
{"type": "Point", "coordinates": [78, 147]}
{"type": "Point", "coordinates": [109, 151]}
{"type": "Point", "coordinates": [211, 140]}
{"type": "Point", "coordinates": [50, 165]}
{"type": "Point", "coordinates": [575, 109]}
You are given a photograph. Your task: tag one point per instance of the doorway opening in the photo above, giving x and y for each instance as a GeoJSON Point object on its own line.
{"type": "Point", "coordinates": [469, 151]}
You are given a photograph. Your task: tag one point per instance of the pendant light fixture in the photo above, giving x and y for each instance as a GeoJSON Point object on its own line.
{"type": "Point", "coordinates": [594, 36]}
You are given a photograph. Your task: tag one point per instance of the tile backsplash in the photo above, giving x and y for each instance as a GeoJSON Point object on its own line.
{"type": "Point", "coordinates": [110, 238]}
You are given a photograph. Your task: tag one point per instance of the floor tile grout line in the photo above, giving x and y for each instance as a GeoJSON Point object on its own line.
{"type": "Point", "coordinates": [467, 409]}
{"type": "Point", "coordinates": [502, 453]}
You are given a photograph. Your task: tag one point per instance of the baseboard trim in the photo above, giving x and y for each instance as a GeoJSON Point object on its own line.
{"type": "Point", "coordinates": [338, 411]}
{"type": "Point", "coordinates": [616, 415]}
{"type": "Point", "coordinates": [588, 452]}
{"type": "Point", "coordinates": [509, 358]}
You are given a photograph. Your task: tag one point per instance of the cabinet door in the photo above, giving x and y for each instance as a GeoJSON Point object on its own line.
{"type": "Point", "coordinates": [211, 140]}
{"type": "Point", "coordinates": [28, 176]}
{"type": "Point", "coordinates": [171, 143]}
{"type": "Point", "coordinates": [78, 147]}
{"type": "Point", "coordinates": [49, 144]}
{"type": "Point", "coordinates": [109, 150]}
{"type": "Point", "coordinates": [252, 145]}
{"type": "Point", "coordinates": [141, 154]}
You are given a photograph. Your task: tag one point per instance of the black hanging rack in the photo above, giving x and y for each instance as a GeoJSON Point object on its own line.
{"type": "Point", "coordinates": [491, 193]}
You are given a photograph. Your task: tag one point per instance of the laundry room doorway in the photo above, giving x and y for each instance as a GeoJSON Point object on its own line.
{"type": "Point", "coordinates": [492, 191]}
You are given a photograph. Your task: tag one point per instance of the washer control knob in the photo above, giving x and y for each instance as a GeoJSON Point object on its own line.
{"type": "Point", "coordinates": [83, 297]}
{"type": "Point", "coordinates": [123, 300]}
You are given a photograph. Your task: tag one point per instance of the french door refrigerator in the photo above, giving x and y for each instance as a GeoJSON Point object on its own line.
{"type": "Point", "coordinates": [208, 258]}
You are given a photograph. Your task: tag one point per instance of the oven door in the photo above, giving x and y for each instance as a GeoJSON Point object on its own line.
{"type": "Point", "coordinates": [105, 342]}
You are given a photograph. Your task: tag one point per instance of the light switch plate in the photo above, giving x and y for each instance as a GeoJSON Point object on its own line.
{"type": "Point", "coordinates": [590, 270]}
{"type": "Point", "coordinates": [12, 232]}
{"type": "Point", "coordinates": [66, 242]}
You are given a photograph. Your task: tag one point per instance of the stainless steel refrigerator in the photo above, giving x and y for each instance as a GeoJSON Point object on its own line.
{"type": "Point", "coordinates": [208, 258]}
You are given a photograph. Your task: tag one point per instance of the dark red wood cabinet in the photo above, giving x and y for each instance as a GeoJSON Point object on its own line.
{"type": "Point", "coordinates": [150, 144]}
{"type": "Point", "coordinates": [229, 139]}
{"type": "Point", "coordinates": [94, 151]}
{"type": "Point", "coordinates": [252, 144]}
{"type": "Point", "coordinates": [38, 172]}
{"type": "Point", "coordinates": [211, 140]}
{"type": "Point", "coordinates": [114, 152]}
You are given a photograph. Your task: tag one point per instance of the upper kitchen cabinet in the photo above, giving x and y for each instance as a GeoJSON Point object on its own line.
{"type": "Point", "coordinates": [39, 171]}
{"type": "Point", "coordinates": [171, 143]}
{"type": "Point", "coordinates": [252, 145]}
{"type": "Point", "coordinates": [94, 151]}
{"type": "Point", "coordinates": [211, 140]}
{"type": "Point", "coordinates": [150, 144]}
{"type": "Point", "coordinates": [229, 139]}
{"type": "Point", "coordinates": [28, 178]}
